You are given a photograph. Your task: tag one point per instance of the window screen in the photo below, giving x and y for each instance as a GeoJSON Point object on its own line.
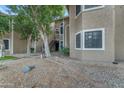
{"type": "Point", "coordinates": [61, 44]}
{"type": "Point", "coordinates": [78, 40]}
{"type": "Point", "coordinates": [6, 44]}
{"type": "Point", "coordinates": [93, 39]}
{"type": "Point", "coordinates": [61, 29]}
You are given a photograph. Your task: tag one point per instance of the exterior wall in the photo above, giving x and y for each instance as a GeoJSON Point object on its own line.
{"type": "Point", "coordinates": [66, 30]}
{"type": "Point", "coordinates": [119, 33]}
{"type": "Point", "coordinates": [8, 36]}
{"type": "Point", "coordinates": [19, 45]}
{"type": "Point", "coordinates": [75, 26]}
{"type": "Point", "coordinates": [99, 18]}
{"type": "Point", "coordinates": [67, 36]}
{"type": "Point", "coordinates": [39, 46]}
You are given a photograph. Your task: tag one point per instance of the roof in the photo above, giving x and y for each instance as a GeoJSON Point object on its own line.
{"type": "Point", "coordinates": [65, 17]}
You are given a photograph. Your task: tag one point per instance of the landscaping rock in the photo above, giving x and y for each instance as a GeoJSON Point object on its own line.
{"type": "Point", "coordinates": [26, 69]}
{"type": "Point", "coordinates": [61, 72]}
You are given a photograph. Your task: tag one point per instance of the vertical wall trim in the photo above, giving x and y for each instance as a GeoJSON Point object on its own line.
{"type": "Point", "coordinates": [12, 37]}
{"type": "Point", "coordinates": [113, 11]}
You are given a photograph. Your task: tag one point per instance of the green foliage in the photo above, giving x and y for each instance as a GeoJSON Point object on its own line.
{"type": "Point", "coordinates": [4, 24]}
{"type": "Point", "coordinates": [38, 16]}
{"type": "Point", "coordinates": [25, 27]}
{"type": "Point", "coordinates": [8, 58]}
{"type": "Point", "coordinates": [32, 50]}
{"type": "Point", "coordinates": [35, 19]}
{"type": "Point", "coordinates": [65, 51]}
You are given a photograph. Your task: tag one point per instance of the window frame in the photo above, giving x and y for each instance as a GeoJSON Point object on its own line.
{"type": "Point", "coordinates": [79, 12]}
{"type": "Point", "coordinates": [103, 38]}
{"type": "Point", "coordinates": [94, 8]}
{"type": "Point", "coordinates": [62, 24]}
{"type": "Point", "coordinates": [80, 40]}
{"type": "Point", "coordinates": [8, 44]}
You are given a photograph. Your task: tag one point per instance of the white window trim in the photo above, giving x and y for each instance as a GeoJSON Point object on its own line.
{"type": "Point", "coordinates": [61, 34]}
{"type": "Point", "coordinates": [94, 8]}
{"type": "Point", "coordinates": [9, 43]}
{"type": "Point", "coordinates": [80, 40]}
{"type": "Point", "coordinates": [103, 39]}
{"type": "Point", "coordinates": [84, 10]}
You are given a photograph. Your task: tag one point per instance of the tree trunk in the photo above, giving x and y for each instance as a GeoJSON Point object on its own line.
{"type": "Point", "coordinates": [28, 45]}
{"type": "Point", "coordinates": [46, 44]}
{"type": "Point", "coordinates": [2, 47]}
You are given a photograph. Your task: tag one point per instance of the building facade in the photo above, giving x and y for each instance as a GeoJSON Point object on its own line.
{"type": "Point", "coordinates": [96, 32]}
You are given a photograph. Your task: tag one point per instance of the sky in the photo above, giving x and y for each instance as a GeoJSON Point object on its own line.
{"type": "Point", "coordinates": [3, 9]}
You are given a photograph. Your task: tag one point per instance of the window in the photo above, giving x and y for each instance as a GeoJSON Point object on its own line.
{"type": "Point", "coordinates": [78, 9]}
{"type": "Point", "coordinates": [92, 7]}
{"type": "Point", "coordinates": [61, 44]}
{"type": "Point", "coordinates": [61, 28]}
{"type": "Point", "coordinates": [94, 39]}
{"type": "Point", "coordinates": [6, 44]}
{"type": "Point", "coordinates": [61, 36]}
{"type": "Point", "coordinates": [78, 40]}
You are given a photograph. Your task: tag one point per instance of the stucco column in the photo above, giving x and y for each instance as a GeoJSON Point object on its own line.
{"type": "Point", "coordinates": [12, 37]}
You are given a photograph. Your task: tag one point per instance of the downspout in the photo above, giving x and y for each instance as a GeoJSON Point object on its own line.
{"type": "Point", "coordinates": [114, 31]}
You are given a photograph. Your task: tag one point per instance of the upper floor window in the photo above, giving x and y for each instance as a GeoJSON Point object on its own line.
{"type": "Point", "coordinates": [62, 28]}
{"type": "Point", "coordinates": [92, 7]}
{"type": "Point", "coordinates": [78, 9]}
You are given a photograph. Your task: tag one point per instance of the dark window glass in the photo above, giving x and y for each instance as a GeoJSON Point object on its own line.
{"type": "Point", "coordinates": [61, 44]}
{"type": "Point", "coordinates": [61, 29]}
{"type": "Point", "coordinates": [6, 44]}
{"type": "Point", "coordinates": [78, 9]}
{"type": "Point", "coordinates": [78, 40]}
{"type": "Point", "coordinates": [90, 6]}
{"type": "Point", "coordinates": [93, 39]}
{"type": "Point", "coordinates": [62, 24]}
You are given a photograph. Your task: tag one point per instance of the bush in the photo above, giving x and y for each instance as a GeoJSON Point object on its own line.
{"type": "Point", "coordinates": [65, 51]}
{"type": "Point", "coordinates": [32, 50]}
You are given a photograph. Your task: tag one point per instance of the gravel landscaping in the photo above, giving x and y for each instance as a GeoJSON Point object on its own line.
{"type": "Point", "coordinates": [61, 72]}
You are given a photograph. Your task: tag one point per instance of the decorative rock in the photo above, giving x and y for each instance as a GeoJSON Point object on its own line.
{"type": "Point", "coordinates": [26, 69]}
{"type": "Point", "coordinates": [115, 62]}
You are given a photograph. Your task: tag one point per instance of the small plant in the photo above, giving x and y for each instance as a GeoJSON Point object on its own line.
{"type": "Point", "coordinates": [32, 50]}
{"type": "Point", "coordinates": [65, 51]}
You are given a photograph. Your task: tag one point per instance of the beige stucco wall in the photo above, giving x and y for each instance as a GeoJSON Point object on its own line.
{"type": "Point", "coordinates": [8, 36]}
{"type": "Point", "coordinates": [66, 30]}
{"type": "Point", "coordinates": [119, 32]}
{"type": "Point", "coordinates": [19, 45]}
{"type": "Point", "coordinates": [100, 18]}
{"type": "Point", "coordinates": [39, 46]}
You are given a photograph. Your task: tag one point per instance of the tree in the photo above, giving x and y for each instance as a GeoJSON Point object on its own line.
{"type": "Point", "coordinates": [4, 27]}
{"type": "Point", "coordinates": [4, 24]}
{"type": "Point", "coordinates": [41, 18]}
{"type": "Point", "coordinates": [26, 29]}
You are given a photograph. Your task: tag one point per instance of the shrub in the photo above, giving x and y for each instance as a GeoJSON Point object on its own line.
{"type": "Point", "coordinates": [65, 51]}
{"type": "Point", "coordinates": [32, 50]}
